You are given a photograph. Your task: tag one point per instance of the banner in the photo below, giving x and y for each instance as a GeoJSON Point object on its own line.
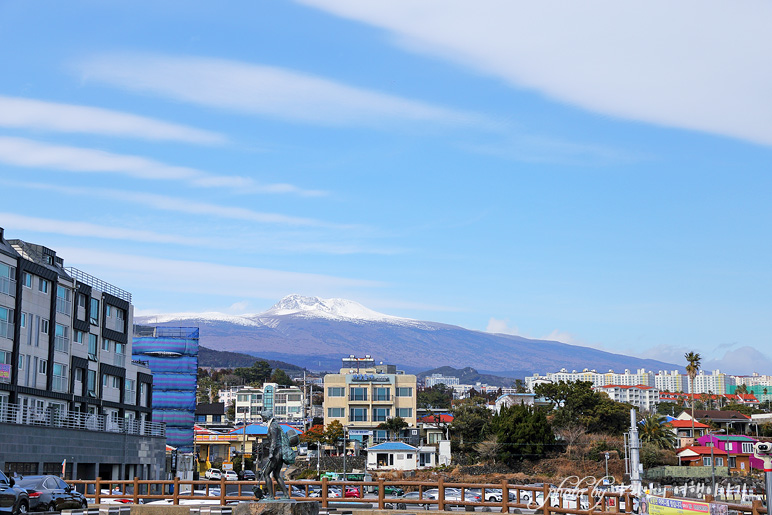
{"type": "Point", "coordinates": [670, 506]}
{"type": "Point", "coordinates": [5, 372]}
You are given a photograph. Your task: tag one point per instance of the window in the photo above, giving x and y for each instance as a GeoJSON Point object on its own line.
{"type": "Point", "coordinates": [358, 415]}
{"type": "Point", "coordinates": [335, 412]}
{"type": "Point", "coordinates": [280, 410]}
{"type": "Point", "coordinates": [747, 447]}
{"type": "Point", "coordinates": [93, 312]}
{"type": "Point", "coordinates": [116, 381]}
{"type": "Point", "coordinates": [7, 282]}
{"type": "Point", "coordinates": [129, 385]}
{"type": "Point", "coordinates": [27, 279]}
{"type": "Point", "coordinates": [21, 362]}
{"type": "Point", "coordinates": [106, 344]}
{"type": "Point", "coordinates": [79, 337]}
{"type": "Point", "coordinates": [79, 374]}
{"type": "Point", "coordinates": [381, 414]}
{"type": "Point", "coordinates": [92, 345]}
{"type": "Point", "coordinates": [404, 391]}
{"type": "Point", "coordinates": [42, 367]}
{"type": "Point", "coordinates": [719, 462]}
{"type": "Point", "coordinates": [63, 304]}
{"type": "Point", "coordinates": [81, 301]}
{"type": "Point", "coordinates": [44, 326]}
{"type": "Point", "coordinates": [6, 322]}
{"type": "Point", "coordinates": [23, 319]}
{"type": "Point", "coordinates": [61, 338]}
{"type": "Point", "coordinates": [336, 391]}
{"type": "Point", "coordinates": [732, 462]}
{"type": "Point", "coordinates": [108, 311]}
{"type": "Point", "coordinates": [706, 461]}
{"type": "Point", "coordinates": [405, 412]}
{"type": "Point", "coordinates": [382, 394]}
{"type": "Point", "coordinates": [358, 394]}
{"type": "Point", "coordinates": [43, 285]}
{"type": "Point", "coordinates": [119, 314]}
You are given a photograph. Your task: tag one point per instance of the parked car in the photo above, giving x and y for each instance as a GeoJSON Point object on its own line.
{"type": "Point", "coordinates": [230, 475]}
{"type": "Point", "coordinates": [352, 491]}
{"type": "Point", "coordinates": [213, 474]}
{"type": "Point", "coordinates": [50, 493]}
{"type": "Point", "coordinates": [391, 490]}
{"type": "Point", "coordinates": [400, 504]}
{"type": "Point", "coordinates": [13, 498]}
{"type": "Point", "coordinates": [248, 475]}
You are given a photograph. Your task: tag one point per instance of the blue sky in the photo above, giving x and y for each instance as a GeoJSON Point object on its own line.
{"type": "Point", "coordinates": [594, 173]}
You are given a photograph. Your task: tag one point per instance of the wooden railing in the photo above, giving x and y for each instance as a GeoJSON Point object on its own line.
{"type": "Point", "coordinates": [578, 501]}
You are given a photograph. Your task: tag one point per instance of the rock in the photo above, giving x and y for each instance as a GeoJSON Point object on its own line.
{"type": "Point", "coordinates": [279, 507]}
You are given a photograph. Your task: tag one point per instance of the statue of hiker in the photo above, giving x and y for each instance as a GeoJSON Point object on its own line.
{"type": "Point", "coordinates": [280, 452]}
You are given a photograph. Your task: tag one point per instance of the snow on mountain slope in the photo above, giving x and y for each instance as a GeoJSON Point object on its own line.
{"type": "Point", "coordinates": [244, 320]}
{"type": "Point", "coordinates": [326, 308]}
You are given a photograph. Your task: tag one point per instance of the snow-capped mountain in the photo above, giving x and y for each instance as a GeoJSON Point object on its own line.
{"type": "Point", "coordinates": [317, 333]}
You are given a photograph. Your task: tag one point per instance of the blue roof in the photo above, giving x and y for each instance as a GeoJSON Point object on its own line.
{"type": "Point", "coordinates": [392, 446]}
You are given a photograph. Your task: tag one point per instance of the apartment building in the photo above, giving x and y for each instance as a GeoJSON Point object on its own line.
{"type": "Point", "coordinates": [364, 395]}
{"type": "Point", "coordinates": [715, 382]}
{"type": "Point", "coordinates": [66, 374]}
{"type": "Point", "coordinates": [436, 379]}
{"type": "Point", "coordinates": [645, 397]}
{"type": "Point", "coordinates": [286, 403]}
{"type": "Point", "coordinates": [626, 378]}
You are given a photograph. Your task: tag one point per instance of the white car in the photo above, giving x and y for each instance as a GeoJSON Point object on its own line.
{"type": "Point", "coordinates": [213, 474]}
{"type": "Point", "coordinates": [230, 475]}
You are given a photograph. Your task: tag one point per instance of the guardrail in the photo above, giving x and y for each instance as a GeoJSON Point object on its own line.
{"type": "Point", "coordinates": [506, 496]}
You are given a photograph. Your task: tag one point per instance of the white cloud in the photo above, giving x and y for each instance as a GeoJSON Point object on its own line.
{"type": "Point", "coordinates": [694, 64]}
{"type": "Point", "coordinates": [35, 154]}
{"type": "Point", "coordinates": [264, 90]}
{"type": "Point", "coordinates": [202, 278]}
{"type": "Point", "coordinates": [497, 326]}
{"type": "Point", "coordinates": [39, 115]}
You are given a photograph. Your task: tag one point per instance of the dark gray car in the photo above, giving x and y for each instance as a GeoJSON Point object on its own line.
{"type": "Point", "coordinates": [50, 493]}
{"type": "Point", "coordinates": [13, 499]}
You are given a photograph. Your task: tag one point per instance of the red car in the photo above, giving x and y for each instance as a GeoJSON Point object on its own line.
{"type": "Point", "coordinates": [352, 491]}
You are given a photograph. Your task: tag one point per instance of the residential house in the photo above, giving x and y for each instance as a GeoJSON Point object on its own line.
{"type": "Point", "coordinates": [683, 431]}
{"type": "Point", "coordinates": [400, 456]}
{"type": "Point", "coordinates": [701, 456]}
{"type": "Point", "coordinates": [738, 448]}
{"type": "Point", "coordinates": [733, 422]}
{"type": "Point", "coordinates": [434, 427]}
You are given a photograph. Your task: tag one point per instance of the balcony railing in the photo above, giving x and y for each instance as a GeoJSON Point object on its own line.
{"type": "Point", "coordinates": [59, 384]}
{"type": "Point", "coordinates": [63, 306]}
{"type": "Point", "coordinates": [98, 284]}
{"type": "Point", "coordinates": [24, 415]}
{"type": "Point", "coordinates": [6, 329]}
{"type": "Point", "coordinates": [62, 344]}
{"type": "Point", "coordinates": [119, 360]}
{"type": "Point", "coordinates": [8, 286]}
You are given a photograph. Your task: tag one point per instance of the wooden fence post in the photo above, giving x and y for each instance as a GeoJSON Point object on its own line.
{"type": "Point", "coordinates": [97, 491]}
{"type": "Point", "coordinates": [136, 490]}
{"type": "Point", "coordinates": [381, 494]}
{"type": "Point", "coordinates": [755, 507]}
{"type": "Point", "coordinates": [440, 494]}
{"type": "Point", "coordinates": [324, 492]}
{"type": "Point", "coordinates": [176, 492]}
{"type": "Point", "coordinates": [504, 496]}
{"type": "Point", "coordinates": [547, 500]}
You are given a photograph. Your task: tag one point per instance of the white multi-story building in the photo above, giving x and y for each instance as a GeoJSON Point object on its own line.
{"type": "Point", "coordinates": [645, 397]}
{"type": "Point", "coordinates": [286, 403]}
{"type": "Point", "coordinates": [628, 378]}
{"type": "Point", "coordinates": [436, 379]}
{"type": "Point", "coordinates": [753, 380]}
{"type": "Point", "coordinates": [715, 382]}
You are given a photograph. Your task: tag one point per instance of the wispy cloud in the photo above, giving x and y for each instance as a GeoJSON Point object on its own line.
{"type": "Point", "coordinates": [602, 55]}
{"type": "Point", "coordinates": [498, 326]}
{"type": "Point", "coordinates": [24, 113]}
{"type": "Point", "coordinates": [205, 278]}
{"type": "Point", "coordinates": [34, 154]}
{"type": "Point", "coordinates": [89, 230]}
{"type": "Point", "coordinates": [265, 90]}
{"type": "Point", "coordinates": [184, 206]}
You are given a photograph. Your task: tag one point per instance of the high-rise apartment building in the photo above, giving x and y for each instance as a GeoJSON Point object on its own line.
{"type": "Point", "coordinates": [285, 402]}
{"type": "Point", "coordinates": [66, 370]}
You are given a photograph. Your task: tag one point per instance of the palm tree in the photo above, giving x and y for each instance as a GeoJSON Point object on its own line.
{"type": "Point", "coordinates": [654, 430]}
{"type": "Point", "coordinates": [693, 365]}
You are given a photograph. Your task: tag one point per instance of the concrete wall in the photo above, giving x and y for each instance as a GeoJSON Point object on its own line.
{"type": "Point", "coordinates": [87, 452]}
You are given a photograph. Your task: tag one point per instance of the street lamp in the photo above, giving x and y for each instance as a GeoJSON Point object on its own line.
{"type": "Point", "coordinates": [713, 462]}
{"type": "Point", "coordinates": [607, 466]}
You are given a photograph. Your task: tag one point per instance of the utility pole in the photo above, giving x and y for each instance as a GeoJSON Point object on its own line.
{"type": "Point", "coordinates": [635, 456]}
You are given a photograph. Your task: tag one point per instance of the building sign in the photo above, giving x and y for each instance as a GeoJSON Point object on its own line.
{"type": "Point", "coordinates": [5, 371]}
{"type": "Point", "coordinates": [370, 378]}
{"type": "Point", "coordinates": [359, 432]}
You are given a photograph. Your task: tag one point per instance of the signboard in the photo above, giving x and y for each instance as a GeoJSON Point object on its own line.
{"type": "Point", "coordinates": [370, 378]}
{"type": "Point", "coordinates": [669, 506]}
{"type": "Point", "coordinates": [359, 432]}
{"type": "Point", "coordinates": [5, 371]}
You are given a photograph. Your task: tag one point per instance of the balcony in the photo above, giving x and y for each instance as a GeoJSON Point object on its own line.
{"type": "Point", "coordinates": [63, 306]}
{"type": "Point", "coordinates": [62, 344]}
{"type": "Point", "coordinates": [8, 286]}
{"type": "Point", "coordinates": [6, 329]}
{"type": "Point", "coordinates": [119, 360]}
{"type": "Point", "coordinates": [31, 416]}
{"type": "Point", "coordinates": [59, 384]}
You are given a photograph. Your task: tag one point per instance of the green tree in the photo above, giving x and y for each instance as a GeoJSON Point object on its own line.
{"type": "Point", "coordinates": [255, 375]}
{"type": "Point", "coordinates": [438, 397]}
{"type": "Point", "coordinates": [655, 431]}
{"type": "Point", "coordinates": [693, 361]}
{"type": "Point", "coordinates": [575, 403]}
{"type": "Point", "coordinates": [393, 425]}
{"type": "Point", "coordinates": [471, 423]}
{"type": "Point", "coordinates": [333, 433]}
{"type": "Point", "coordinates": [522, 432]}
{"type": "Point", "coordinates": [281, 378]}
